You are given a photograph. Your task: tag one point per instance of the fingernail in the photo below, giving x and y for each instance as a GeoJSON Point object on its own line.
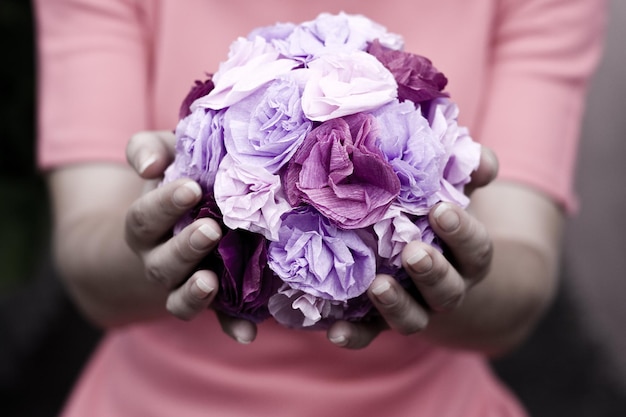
{"type": "Point", "coordinates": [420, 261]}
{"type": "Point", "coordinates": [204, 288]}
{"type": "Point", "coordinates": [186, 194]}
{"type": "Point", "coordinates": [241, 336]}
{"type": "Point", "coordinates": [385, 293]}
{"type": "Point", "coordinates": [340, 340]}
{"type": "Point", "coordinates": [446, 218]}
{"type": "Point", "coordinates": [146, 161]}
{"type": "Point", "coordinates": [203, 237]}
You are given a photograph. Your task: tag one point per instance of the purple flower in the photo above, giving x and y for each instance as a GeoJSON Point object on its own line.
{"type": "Point", "coordinates": [250, 198]}
{"type": "Point", "coordinates": [267, 127]}
{"type": "Point", "coordinates": [297, 309]}
{"type": "Point", "coordinates": [199, 148]}
{"type": "Point", "coordinates": [462, 153]}
{"type": "Point", "coordinates": [415, 153]}
{"type": "Point", "coordinates": [246, 284]}
{"type": "Point", "coordinates": [339, 171]}
{"type": "Point", "coordinates": [200, 89]}
{"type": "Point", "coordinates": [418, 80]}
{"type": "Point", "coordinates": [315, 256]}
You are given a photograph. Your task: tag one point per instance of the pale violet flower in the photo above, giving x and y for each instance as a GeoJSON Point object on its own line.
{"type": "Point", "coordinates": [250, 64]}
{"type": "Point", "coordinates": [414, 151]}
{"type": "Point", "coordinates": [462, 153]}
{"type": "Point", "coordinates": [315, 256]}
{"type": "Point", "coordinates": [249, 198]}
{"type": "Point", "coordinates": [340, 33]}
{"type": "Point", "coordinates": [199, 148]}
{"type": "Point", "coordinates": [343, 84]}
{"type": "Point", "coordinates": [394, 231]}
{"type": "Point", "coordinates": [296, 309]}
{"type": "Point", "coordinates": [267, 127]}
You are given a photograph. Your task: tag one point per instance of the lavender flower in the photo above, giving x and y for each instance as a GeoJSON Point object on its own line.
{"type": "Point", "coordinates": [415, 153]}
{"type": "Point", "coordinates": [315, 256]}
{"type": "Point", "coordinates": [267, 127]}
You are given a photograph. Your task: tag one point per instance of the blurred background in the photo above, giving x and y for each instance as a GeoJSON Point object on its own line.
{"type": "Point", "coordinates": [575, 365]}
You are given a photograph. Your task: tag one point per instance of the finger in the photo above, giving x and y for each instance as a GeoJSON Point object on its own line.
{"type": "Point", "coordinates": [400, 311]}
{"type": "Point", "coordinates": [438, 282]}
{"type": "Point", "coordinates": [155, 213]}
{"type": "Point", "coordinates": [243, 331]}
{"type": "Point", "coordinates": [466, 238]}
{"type": "Point", "coordinates": [171, 262]}
{"type": "Point", "coordinates": [352, 335]}
{"type": "Point", "coordinates": [193, 296]}
{"type": "Point", "coordinates": [486, 172]}
{"type": "Point", "coordinates": [149, 153]}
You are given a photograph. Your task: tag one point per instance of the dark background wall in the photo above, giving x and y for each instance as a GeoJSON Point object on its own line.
{"type": "Point", "coordinates": [574, 366]}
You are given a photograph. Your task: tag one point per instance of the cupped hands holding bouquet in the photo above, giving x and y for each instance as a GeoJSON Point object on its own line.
{"type": "Point", "coordinates": [323, 154]}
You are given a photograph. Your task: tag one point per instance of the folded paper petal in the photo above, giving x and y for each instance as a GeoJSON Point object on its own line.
{"type": "Point", "coordinates": [315, 256]}
{"type": "Point", "coordinates": [251, 64]}
{"type": "Point", "coordinates": [267, 127]}
{"type": "Point", "coordinates": [344, 84]}
{"type": "Point", "coordinates": [250, 198]}
{"type": "Point", "coordinates": [339, 171]}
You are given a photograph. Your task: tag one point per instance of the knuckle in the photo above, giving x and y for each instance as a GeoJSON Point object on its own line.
{"type": "Point", "coordinates": [154, 273]}
{"type": "Point", "coordinates": [137, 224]}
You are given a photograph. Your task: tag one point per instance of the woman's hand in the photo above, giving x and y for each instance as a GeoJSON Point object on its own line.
{"type": "Point", "coordinates": [171, 261]}
{"type": "Point", "coordinates": [503, 309]}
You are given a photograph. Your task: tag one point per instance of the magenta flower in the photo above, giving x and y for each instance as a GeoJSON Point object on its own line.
{"type": "Point", "coordinates": [339, 171]}
{"type": "Point", "coordinates": [418, 80]}
{"type": "Point", "coordinates": [199, 89]}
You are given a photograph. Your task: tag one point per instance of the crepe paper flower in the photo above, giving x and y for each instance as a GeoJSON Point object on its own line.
{"type": "Point", "coordinates": [346, 83]}
{"type": "Point", "coordinates": [320, 147]}
{"type": "Point", "coordinates": [199, 89]}
{"type": "Point", "coordinates": [277, 32]}
{"type": "Point", "coordinates": [329, 33]}
{"type": "Point", "coordinates": [462, 153]}
{"type": "Point", "coordinates": [267, 127]}
{"type": "Point", "coordinates": [250, 65]}
{"type": "Point", "coordinates": [199, 148]}
{"type": "Point", "coordinates": [339, 171]}
{"type": "Point", "coordinates": [315, 256]}
{"type": "Point", "coordinates": [249, 198]}
{"type": "Point", "coordinates": [415, 153]}
{"type": "Point", "coordinates": [394, 231]}
{"type": "Point", "coordinates": [246, 284]}
{"type": "Point", "coordinates": [297, 309]}
{"type": "Point", "coordinates": [418, 80]}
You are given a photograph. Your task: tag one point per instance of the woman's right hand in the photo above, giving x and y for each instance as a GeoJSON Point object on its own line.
{"type": "Point", "coordinates": [171, 261]}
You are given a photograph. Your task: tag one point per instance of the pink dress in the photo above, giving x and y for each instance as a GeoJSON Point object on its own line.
{"type": "Point", "coordinates": [518, 70]}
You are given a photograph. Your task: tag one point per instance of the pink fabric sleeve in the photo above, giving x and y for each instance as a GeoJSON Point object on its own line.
{"type": "Point", "coordinates": [91, 54]}
{"type": "Point", "coordinates": [544, 52]}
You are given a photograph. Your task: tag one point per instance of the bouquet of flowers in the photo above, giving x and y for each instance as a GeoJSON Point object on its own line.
{"type": "Point", "coordinates": [320, 148]}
